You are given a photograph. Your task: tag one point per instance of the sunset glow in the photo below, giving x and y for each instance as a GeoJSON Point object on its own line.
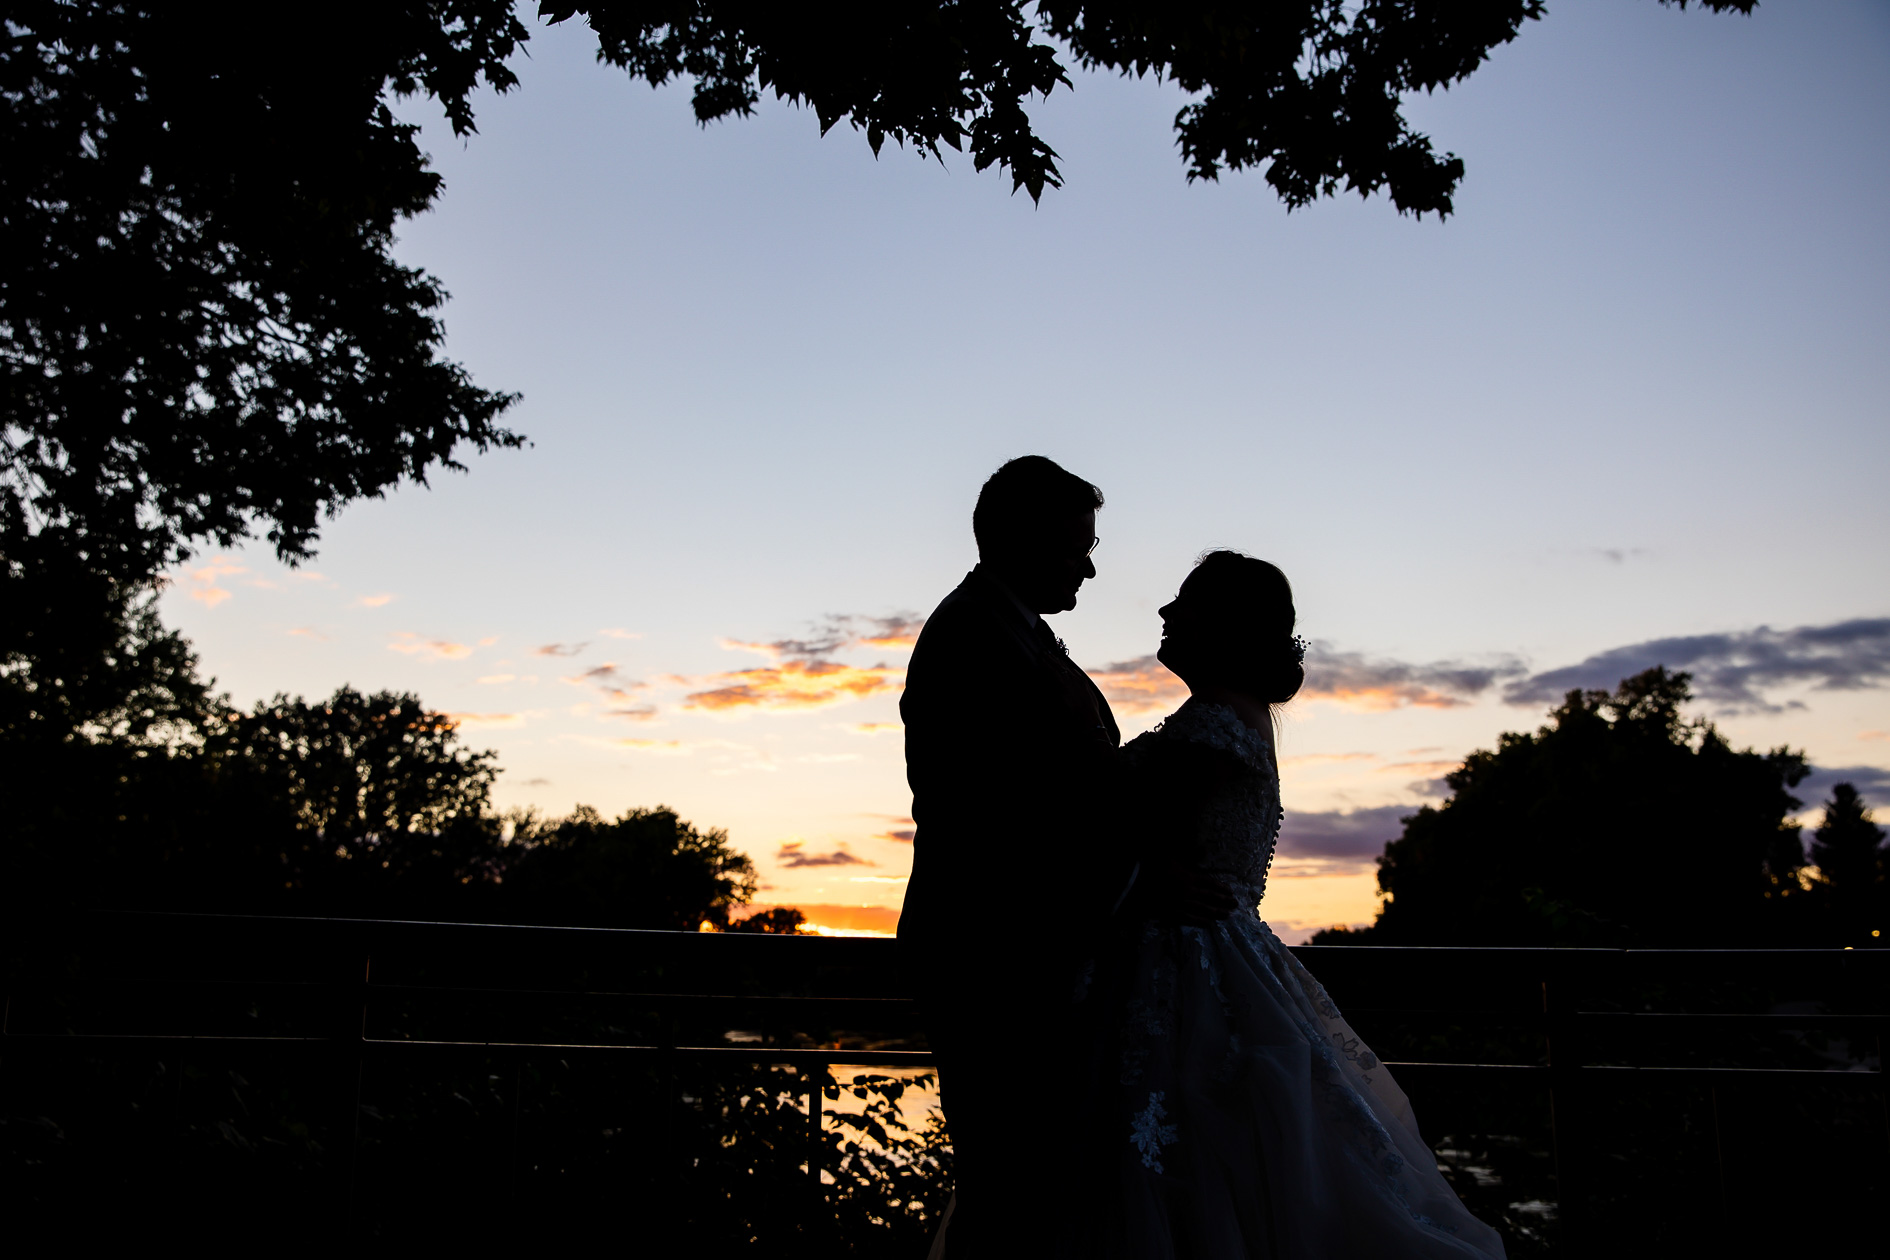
{"type": "Point", "coordinates": [795, 685]}
{"type": "Point", "coordinates": [1563, 435]}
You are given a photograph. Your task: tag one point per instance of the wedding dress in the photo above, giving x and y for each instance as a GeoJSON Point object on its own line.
{"type": "Point", "coordinates": [1252, 1121]}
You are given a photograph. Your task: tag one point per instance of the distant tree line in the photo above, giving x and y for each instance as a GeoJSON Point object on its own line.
{"type": "Point", "coordinates": [1623, 823]}
{"type": "Point", "coordinates": [134, 786]}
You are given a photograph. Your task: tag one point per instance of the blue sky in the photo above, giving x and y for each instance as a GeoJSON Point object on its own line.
{"type": "Point", "coordinates": [1635, 389]}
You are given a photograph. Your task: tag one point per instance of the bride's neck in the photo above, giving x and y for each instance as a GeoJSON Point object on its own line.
{"type": "Point", "coordinates": [1251, 712]}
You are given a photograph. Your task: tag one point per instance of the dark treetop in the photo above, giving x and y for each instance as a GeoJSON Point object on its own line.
{"type": "Point", "coordinates": [201, 325]}
{"type": "Point", "coordinates": [1619, 822]}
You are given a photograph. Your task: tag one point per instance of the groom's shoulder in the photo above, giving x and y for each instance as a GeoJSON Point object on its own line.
{"type": "Point", "coordinates": [963, 600]}
{"type": "Point", "coordinates": [969, 620]}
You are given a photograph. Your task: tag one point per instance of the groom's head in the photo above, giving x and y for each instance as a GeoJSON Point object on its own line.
{"type": "Point", "coordinates": [1036, 525]}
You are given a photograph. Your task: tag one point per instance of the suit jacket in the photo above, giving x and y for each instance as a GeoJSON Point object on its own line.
{"type": "Point", "coordinates": [1019, 795]}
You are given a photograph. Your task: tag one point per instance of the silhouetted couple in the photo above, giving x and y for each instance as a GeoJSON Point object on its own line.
{"type": "Point", "coordinates": [1131, 1064]}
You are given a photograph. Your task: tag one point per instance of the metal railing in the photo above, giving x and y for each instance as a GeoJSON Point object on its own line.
{"type": "Point", "coordinates": [1573, 1025]}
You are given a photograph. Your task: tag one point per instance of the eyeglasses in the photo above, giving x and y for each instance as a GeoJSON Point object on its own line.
{"type": "Point", "coordinates": [1094, 543]}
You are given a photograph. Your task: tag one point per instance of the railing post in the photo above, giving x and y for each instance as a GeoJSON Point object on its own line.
{"type": "Point", "coordinates": [1566, 1120]}
{"type": "Point", "coordinates": [1719, 1161]}
{"type": "Point", "coordinates": [350, 1054]}
{"type": "Point", "coordinates": [515, 1212]}
{"type": "Point", "coordinates": [816, 1146]}
{"type": "Point", "coordinates": [669, 1119]}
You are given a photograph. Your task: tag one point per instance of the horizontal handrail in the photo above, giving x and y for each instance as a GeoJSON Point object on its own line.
{"type": "Point", "coordinates": [867, 983]}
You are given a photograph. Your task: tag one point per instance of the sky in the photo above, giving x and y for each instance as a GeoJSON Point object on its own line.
{"type": "Point", "coordinates": [1629, 405]}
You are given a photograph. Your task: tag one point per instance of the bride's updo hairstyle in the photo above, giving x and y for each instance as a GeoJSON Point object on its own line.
{"type": "Point", "coordinates": [1245, 607]}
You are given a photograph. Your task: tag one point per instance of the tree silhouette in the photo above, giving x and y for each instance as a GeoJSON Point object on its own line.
{"type": "Point", "coordinates": [647, 869]}
{"type": "Point", "coordinates": [1620, 822]}
{"type": "Point", "coordinates": [357, 804]}
{"type": "Point", "coordinates": [774, 921]}
{"type": "Point", "coordinates": [1848, 851]}
{"type": "Point", "coordinates": [1310, 91]}
{"type": "Point", "coordinates": [202, 326]}
{"type": "Point", "coordinates": [95, 665]}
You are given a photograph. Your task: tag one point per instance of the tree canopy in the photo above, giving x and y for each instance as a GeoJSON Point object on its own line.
{"type": "Point", "coordinates": [202, 328]}
{"type": "Point", "coordinates": [356, 805]}
{"type": "Point", "coordinates": [1619, 822]}
{"type": "Point", "coordinates": [1847, 849]}
{"type": "Point", "coordinates": [1310, 90]}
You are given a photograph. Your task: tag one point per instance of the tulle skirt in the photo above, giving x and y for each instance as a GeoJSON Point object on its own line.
{"type": "Point", "coordinates": [1249, 1119]}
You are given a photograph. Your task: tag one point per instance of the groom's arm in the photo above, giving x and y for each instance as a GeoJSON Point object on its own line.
{"type": "Point", "coordinates": [1001, 768]}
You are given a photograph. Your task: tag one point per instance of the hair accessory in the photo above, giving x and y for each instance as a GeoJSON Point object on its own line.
{"type": "Point", "coordinates": [1299, 649]}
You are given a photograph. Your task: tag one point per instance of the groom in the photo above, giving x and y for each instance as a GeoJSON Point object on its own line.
{"type": "Point", "coordinates": [1021, 856]}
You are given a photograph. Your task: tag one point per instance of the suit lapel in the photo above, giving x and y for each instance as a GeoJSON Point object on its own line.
{"type": "Point", "coordinates": [1062, 677]}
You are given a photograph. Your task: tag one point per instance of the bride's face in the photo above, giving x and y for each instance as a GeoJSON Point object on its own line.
{"type": "Point", "coordinates": [1194, 635]}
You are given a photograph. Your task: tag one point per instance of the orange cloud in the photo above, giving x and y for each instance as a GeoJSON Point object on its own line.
{"type": "Point", "coordinates": [204, 581]}
{"type": "Point", "coordinates": [604, 675]}
{"type": "Point", "coordinates": [662, 747]}
{"type": "Point", "coordinates": [1139, 686]}
{"type": "Point", "coordinates": [877, 728]}
{"type": "Point", "coordinates": [435, 649]}
{"type": "Point", "coordinates": [615, 688]}
{"type": "Point", "coordinates": [768, 650]}
{"type": "Point", "coordinates": [1382, 697]}
{"type": "Point", "coordinates": [1320, 759]}
{"type": "Point", "coordinates": [373, 601]}
{"type": "Point", "coordinates": [493, 679]}
{"type": "Point", "coordinates": [559, 649]}
{"type": "Point", "coordinates": [793, 854]}
{"type": "Point", "coordinates": [1430, 769]}
{"type": "Point", "coordinates": [615, 633]}
{"type": "Point", "coordinates": [1360, 682]}
{"type": "Point", "coordinates": [794, 685]}
{"type": "Point", "coordinates": [897, 632]}
{"type": "Point", "coordinates": [673, 747]}
{"type": "Point", "coordinates": [471, 720]}
{"type": "Point", "coordinates": [1144, 684]}
{"type": "Point", "coordinates": [901, 832]}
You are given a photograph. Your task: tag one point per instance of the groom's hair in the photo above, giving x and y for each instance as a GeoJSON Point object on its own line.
{"type": "Point", "coordinates": [1020, 499]}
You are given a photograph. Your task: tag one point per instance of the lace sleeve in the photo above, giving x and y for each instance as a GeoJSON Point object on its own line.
{"type": "Point", "coordinates": [1202, 733]}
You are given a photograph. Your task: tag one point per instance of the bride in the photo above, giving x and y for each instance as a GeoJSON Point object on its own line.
{"type": "Point", "coordinates": [1248, 1119]}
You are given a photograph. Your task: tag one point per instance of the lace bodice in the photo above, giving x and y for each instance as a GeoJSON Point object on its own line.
{"type": "Point", "coordinates": [1240, 819]}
